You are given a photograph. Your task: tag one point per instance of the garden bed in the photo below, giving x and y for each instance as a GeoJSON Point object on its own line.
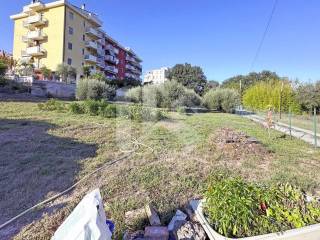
{"type": "Point", "coordinates": [235, 208]}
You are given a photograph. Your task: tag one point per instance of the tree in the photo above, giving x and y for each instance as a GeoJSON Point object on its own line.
{"type": "Point", "coordinates": [189, 76]}
{"type": "Point", "coordinates": [308, 95]}
{"type": "Point", "coordinates": [264, 95]}
{"type": "Point", "coordinates": [99, 76]}
{"type": "Point", "coordinates": [3, 68]}
{"type": "Point", "coordinates": [66, 72]}
{"type": "Point", "coordinates": [46, 72]}
{"type": "Point", "coordinates": [225, 100]}
{"type": "Point", "coordinates": [246, 81]}
{"type": "Point", "coordinates": [25, 68]}
{"type": "Point", "coordinates": [86, 70]}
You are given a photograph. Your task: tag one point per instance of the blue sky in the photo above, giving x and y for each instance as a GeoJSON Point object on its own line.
{"type": "Point", "coordinates": [221, 36]}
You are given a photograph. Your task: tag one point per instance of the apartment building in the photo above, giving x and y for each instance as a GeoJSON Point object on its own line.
{"type": "Point", "coordinates": [59, 32]}
{"type": "Point", "coordinates": [156, 76]}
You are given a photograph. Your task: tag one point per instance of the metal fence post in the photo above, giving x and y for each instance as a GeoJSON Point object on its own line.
{"type": "Point", "coordinates": [315, 126]}
{"type": "Point", "coordinates": [290, 123]}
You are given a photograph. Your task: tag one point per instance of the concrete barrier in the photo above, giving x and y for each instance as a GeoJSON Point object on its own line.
{"type": "Point", "coordinates": [53, 89]}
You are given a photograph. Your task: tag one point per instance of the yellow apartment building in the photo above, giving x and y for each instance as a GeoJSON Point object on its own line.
{"type": "Point", "coordinates": [59, 32]}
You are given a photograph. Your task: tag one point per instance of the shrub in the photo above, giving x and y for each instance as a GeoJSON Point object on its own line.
{"type": "Point", "coordinates": [134, 94]}
{"type": "Point", "coordinates": [152, 96]}
{"type": "Point", "coordinates": [224, 100]}
{"type": "Point", "coordinates": [3, 82]}
{"type": "Point", "coordinates": [52, 105]}
{"type": "Point", "coordinates": [109, 111]}
{"type": "Point", "coordinates": [3, 68]}
{"type": "Point", "coordinates": [92, 107]}
{"type": "Point", "coordinates": [188, 99]}
{"type": "Point", "coordinates": [239, 209]}
{"type": "Point", "coordinates": [94, 89]}
{"type": "Point", "coordinates": [76, 108]}
{"type": "Point", "coordinates": [171, 91]}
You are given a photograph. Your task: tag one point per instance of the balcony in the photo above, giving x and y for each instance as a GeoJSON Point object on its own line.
{"type": "Point", "coordinates": [34, 7]}
{"type": "Point", "coordinates": [112, 69]}
{"type": "Point", "coordinates": [111, 59]}
{"type": "Point", "coordinates": [112, 49]}
{"type": "Point", "coordinates": [35, 21]}
{"type": "Point", "coordinates": [90, 58]}
{"type": "Point", "coordinates": [34, 36]}
{"type": "Point", "coordinates": [91, 44]}
{"type": "Point", "coordinates": [93, 33]}
{"type": "Point", "coordinates": [37, 51]}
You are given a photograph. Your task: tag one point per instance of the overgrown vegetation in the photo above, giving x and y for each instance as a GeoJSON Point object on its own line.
{"type": "Point", "coordinates": [225, 100]}
{"type": "Point", "coordinates": [54, 149]}
{"type": "Point", "coordinates": [170, 94]}
{"type": "Point", "coordinates": [102, 108]}
{"type": "Point", "coordinates": [237, 209]}
{"type": "Point", "coordinates": [88, 88]}
{"type": "Point", "coordinates": [3, 68]}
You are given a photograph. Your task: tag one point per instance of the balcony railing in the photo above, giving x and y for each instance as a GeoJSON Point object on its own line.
{"type": "Point", "coordinates": [112, 69]}
{"type": "Point", "coordinates": [93, 33]}
{"type": "Point", "coordinates": [90, 58]}
{"type": "Point", "coordinates": [112, 59]}
{"type": "Point", "coordinates": [112, 49]}
{"type": "Point", "coordinates": [34, 35]}
{"type": "Point", "coordinates": [36, 20]}
{"type": "Point", "coordinates": [91, 44]}
{"type": "Point", "coordinates": [34, 51]}
{"type": "Point", "coordinates": [34, 7]}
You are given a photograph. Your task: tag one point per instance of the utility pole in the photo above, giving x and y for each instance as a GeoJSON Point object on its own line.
{"type": "Point", "coordinates": [280, 105]}
{"type": "Point", "coordinates": [315, 126]}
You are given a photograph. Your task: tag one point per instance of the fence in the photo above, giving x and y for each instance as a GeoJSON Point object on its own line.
{"type": "Point", "coordinates": [309, 124]}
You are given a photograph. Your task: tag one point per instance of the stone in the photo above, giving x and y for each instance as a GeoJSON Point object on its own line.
{"type": "Point", "coordinates": [190, 212]}
{"type": "Point", "coordinates": [153, 216]}
{"type": "Point", "coordinates": [190, 231]}
{"type": "Point", "coordinates": [135, 216]}
{"type": "Point", "coordinates": [137, 235]}
{"type": "Point", "coordinates": [156, 233]}
{"type": "Point", "coordinates": [179, 216]}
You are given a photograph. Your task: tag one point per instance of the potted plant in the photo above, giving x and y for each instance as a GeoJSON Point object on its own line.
{"type": "Point", "coordinates": [236, 209]}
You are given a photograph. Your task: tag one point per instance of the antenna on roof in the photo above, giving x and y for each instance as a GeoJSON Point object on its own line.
{"type": "Point", "coordinates": [83, 6]}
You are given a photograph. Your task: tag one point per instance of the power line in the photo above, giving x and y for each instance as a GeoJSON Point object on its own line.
{"type": "Point", "coordinates": [275, 3]}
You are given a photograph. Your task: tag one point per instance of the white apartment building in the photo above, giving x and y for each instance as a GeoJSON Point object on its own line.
{"type": "Point", "coordinates": [157, 76]}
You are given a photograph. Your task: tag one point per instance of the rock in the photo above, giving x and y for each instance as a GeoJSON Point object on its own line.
{"type": "Point", "coordinates": [190, 231]}
{"type": "Point", "coordinates": [190, 212]}
{"type": "Point", "coordinates": [152, 215]}
{"type": "Point", "coordinates": [179, 216]}
{"type": "Point", "coordinates": [252, 140]}
{"type": "Point", "coordinates": [156, 233]}
{"type": "Point", "coordinates": [138, 235]}
{"type": "Point", "coordinates": [134, 217]}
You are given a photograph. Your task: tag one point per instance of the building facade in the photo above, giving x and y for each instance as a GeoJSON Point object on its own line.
{"type": "Point", "coordinates": [157, 76]}
{"type": "Point", "coordinates": [59, 32]}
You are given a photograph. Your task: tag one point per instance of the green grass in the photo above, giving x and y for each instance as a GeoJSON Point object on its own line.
{"type": "Point", "coordinates": [171, 166]}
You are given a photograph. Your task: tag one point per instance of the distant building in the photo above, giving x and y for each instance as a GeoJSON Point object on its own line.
{"type": "Point", "coordinates": [157, 76]}
{"type": "Point", "coordinates": [48, 34]}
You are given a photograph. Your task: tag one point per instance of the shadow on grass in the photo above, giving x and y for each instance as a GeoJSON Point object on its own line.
{"type": "Point", "coordinates": [34, 165]}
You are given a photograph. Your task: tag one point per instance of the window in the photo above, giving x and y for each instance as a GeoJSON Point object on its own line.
{"type": "Point", "coordinates": [83, 37]}
{"type": "Point", "coordinates": [82, 51]}
{"type": "Point", "coordinates": [70, 30]}
{"type": "Point", "coordinates": [71, 16]}
{"type": "Point", "coordinates": [69, 61]}
{"type": "Point", "coordinates": [70, 46]}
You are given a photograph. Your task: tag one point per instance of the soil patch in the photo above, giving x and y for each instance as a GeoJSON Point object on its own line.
{"type": "Point", "coordinates": [237, 148]}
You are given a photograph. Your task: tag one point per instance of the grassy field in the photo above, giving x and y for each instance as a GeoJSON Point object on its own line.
{"type": "Point", "coordinates": [42, 153]}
